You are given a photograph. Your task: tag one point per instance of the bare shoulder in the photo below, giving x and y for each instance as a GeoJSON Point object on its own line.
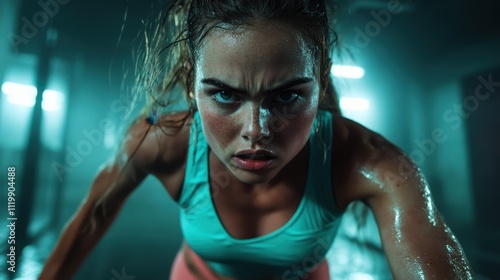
{"type": "Point", "coordinates": [350, 134]}
{"type": "Point", "coordinates": [363, 160]}
{"type": "Point", "coordinates": [415, 238]}
{"type": "Point", "coordinates": [158, 147]}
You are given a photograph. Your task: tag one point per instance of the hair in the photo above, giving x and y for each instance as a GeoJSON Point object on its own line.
{"type": "Point", "coordinates": [165, 67]}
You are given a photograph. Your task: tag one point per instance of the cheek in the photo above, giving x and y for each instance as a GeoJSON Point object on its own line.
{"type": "Point", "coordinates": [217, 129]}
{"type": "Point", "coordinates": [302, 126]}
{"type": "Point", "coordinates": [297, 132]}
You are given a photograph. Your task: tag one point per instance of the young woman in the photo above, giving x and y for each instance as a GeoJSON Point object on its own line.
{"type": "Point", "coordinates": [263, 164]}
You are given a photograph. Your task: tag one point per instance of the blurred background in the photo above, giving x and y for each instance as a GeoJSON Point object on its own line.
{"type": "Point", "coordinates": [427, 77]}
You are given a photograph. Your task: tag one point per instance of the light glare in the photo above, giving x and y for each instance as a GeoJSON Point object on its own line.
{"type": "Point", "coordinates": [52, 100]}
{"type": "Point", "coordinates": [25, 95]}
{"type": "Point", "coordinates": [349, 72]}
{"type": "Point", "coordinates": [360, 276]}
{"type": "Point", "coordinates": [354, 104]}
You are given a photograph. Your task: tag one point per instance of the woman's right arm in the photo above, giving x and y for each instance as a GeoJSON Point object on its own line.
{"type": "Point", "coordinates": [109, 190]}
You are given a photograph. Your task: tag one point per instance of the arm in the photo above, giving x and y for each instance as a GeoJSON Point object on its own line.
{"type": "Point", "coordinates": [415, 238]}
{"type": "Point", "coordinates": [114, 182]}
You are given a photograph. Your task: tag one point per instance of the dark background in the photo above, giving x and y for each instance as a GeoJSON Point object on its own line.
{"type": "Point", "coordinates": [420, 64]}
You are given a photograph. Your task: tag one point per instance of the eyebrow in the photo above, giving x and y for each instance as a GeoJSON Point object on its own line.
{"type": "Point", "coordinates": [286, 85]}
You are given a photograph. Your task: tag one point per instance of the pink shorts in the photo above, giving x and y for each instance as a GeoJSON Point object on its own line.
{"type": "Point", "coordinates": [181, 271]}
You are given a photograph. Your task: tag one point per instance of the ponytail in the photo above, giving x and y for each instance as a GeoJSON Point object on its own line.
{"type": "Point", "coordinates": [163, 80]}
{"type": "Point", "coordinates": [164, 75]}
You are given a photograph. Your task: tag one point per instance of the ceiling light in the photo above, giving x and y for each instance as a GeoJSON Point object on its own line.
{"type": "Point", "coordinates": [354, 104]}
{"type": "Point", "coordinates": [25, 95]}
{"type": "Point", "coordinates": [348, 72]}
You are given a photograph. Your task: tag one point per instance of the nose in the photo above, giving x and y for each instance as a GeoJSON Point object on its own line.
{"type": "Point", "coordinates": [255, 124]}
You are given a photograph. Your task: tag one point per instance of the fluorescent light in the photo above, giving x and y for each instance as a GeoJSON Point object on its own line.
{"type": "Point", "coordinates": [52, 100]}
{"type": "Point", "coordinates": [349, 72]}
{"type": "Point", "coordinates": [360, 276]}
{"type": "Point", "coordinates": [25, 95]}
{"type": "Point", "coordinates": [15, 89]}
{"type": "Point", "coordinates": [17, 94]}
{"type": "Point", "coordinates": [354, 104]}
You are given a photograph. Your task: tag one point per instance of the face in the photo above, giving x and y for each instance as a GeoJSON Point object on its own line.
{"type": "Point", "coordinates": [257, 91]}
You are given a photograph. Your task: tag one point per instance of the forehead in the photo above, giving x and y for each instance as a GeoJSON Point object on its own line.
{"type": "Point", "coordinates": [264, 49]}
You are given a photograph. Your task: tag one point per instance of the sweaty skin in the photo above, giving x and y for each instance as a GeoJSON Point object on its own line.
{"type": "Point", "coordinates": [254, 62]}
{"type": "Point", "coordinates": [237, 73]}
{"type": "Point", "coordinates": [417, 242]}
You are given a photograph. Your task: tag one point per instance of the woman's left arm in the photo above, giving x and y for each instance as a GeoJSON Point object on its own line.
{"type": "Point", "coordinates": [417, 242]}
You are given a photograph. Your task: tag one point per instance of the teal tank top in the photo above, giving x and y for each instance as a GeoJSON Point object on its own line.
{"type": "Point", "coordinates": [290, 251]}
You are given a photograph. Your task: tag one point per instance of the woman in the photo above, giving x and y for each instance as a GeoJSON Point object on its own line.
{"type": "Point", "coordinates": [260, 180]}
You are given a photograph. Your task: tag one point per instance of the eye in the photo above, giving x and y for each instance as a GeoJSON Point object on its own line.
{"type": "Point", "coordinates": [286, 97]}
{"type": "Point", "coordinates": [223, 96]}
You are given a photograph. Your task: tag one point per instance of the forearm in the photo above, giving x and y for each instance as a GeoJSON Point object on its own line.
{"type": "Point", "coordinates": [440, 257]}
{"type": "Point", "coordinates": [76, 242]}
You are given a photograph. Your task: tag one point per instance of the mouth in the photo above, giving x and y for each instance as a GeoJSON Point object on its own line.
{"type": "Point", "coordinates": [254, 159]}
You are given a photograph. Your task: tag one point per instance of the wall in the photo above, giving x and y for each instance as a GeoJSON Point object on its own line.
{"type": "Point", "coordinates": [450, 161]}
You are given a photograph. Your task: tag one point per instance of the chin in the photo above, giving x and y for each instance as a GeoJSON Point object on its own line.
{"type": "Point", "coordinates": [253, 177]}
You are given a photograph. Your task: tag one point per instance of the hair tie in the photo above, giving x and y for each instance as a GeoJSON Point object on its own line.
{"type": "Point", "coordinates": [152, 119]}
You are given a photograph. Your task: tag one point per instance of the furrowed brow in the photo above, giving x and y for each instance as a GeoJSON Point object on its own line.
{"type": "Point", "coordinates": [289, 84]}
{"type": "Point", "coordinates": [221, 85]}
{"type": "Point", "coordinates": [282, 87]}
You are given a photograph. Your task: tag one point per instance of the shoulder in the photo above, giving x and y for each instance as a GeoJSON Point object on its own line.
{"type": "Point", "coordinates": [160, 146]}
{"type": "Point", "coordinates": [413, 233]}
{"type": "Point", "coordinates": [144, 150]}
{"type": "Point", "coordinates": [365, 165]}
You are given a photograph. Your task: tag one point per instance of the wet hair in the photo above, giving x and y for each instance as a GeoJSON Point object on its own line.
{"type": "Point", "coordinates": [165, 67]}
{"type": "Point", "coordinates": [166, 77]}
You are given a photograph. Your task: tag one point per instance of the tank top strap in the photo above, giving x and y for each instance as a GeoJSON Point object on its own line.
{"type": "Point", "coordinates": [196, 173]}
{"type": "Point", "coordinates": [321, 157]}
